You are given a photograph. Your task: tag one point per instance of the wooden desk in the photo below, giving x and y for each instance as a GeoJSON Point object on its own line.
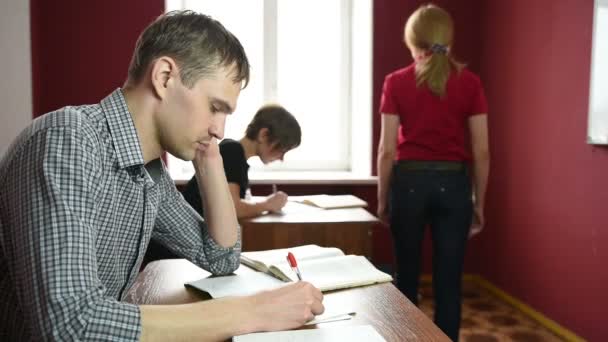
{"type": "Point", "coordinates": [299, 224]}
{"type": "Point", "coordinates": [382, 305]}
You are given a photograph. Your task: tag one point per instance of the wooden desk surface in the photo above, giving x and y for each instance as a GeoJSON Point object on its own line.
{"type": "Point", "coordinates": [382, 305]}
{"type": "Point", "coordinates": [294, 212]}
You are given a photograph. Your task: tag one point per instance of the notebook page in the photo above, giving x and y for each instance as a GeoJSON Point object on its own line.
{"type": "Point", "coordinates": [360, 333]}
{"type": "Point", "coordinates": [338, 272]}
{"type": "Point", "coordinates": [330, 201]}
{"type": "Point", "coordinates": [302, 253]}
{"type": "Point", "coordinates": [236, 285]}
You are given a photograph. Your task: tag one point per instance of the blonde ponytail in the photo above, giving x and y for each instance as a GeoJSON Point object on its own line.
{"type": "Point", "coordinates": [430, 29]}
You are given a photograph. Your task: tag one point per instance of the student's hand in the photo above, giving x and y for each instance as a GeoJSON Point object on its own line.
{"type": "Point", "coordinates": [287, 307]}
{"type": "Point", "coordinates": [478, 221]}
{"type": "Point", "coordinates": [276, 201]}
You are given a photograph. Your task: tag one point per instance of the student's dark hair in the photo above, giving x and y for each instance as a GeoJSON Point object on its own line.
{"type": "Point", "coordinates": [283, 128]}
{"type": "Point", "coordinates": [199, 44]}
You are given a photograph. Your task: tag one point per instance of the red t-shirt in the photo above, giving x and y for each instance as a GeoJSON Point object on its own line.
{"type": "Point", "coordinates": [432, 128]}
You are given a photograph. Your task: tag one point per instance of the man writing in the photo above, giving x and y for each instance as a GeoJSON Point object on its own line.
{"type": "Point", "coordinates": [84, 190]}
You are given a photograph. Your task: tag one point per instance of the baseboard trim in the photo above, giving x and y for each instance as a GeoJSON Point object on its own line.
{"type": "Point", "coordinates": [543, 320]}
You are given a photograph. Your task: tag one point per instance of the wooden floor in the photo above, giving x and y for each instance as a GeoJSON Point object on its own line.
{"type": "Point", "coordinates": [486, 318]}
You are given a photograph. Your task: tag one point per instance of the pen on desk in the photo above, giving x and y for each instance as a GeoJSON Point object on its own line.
{"type": "Point", "coordinates": [274, 188]}
{"type": "Point", "coordinates": [294, 265]}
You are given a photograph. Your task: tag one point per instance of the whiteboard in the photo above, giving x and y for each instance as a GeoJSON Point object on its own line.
{"type": "Point", "coordinates": [597, 132]}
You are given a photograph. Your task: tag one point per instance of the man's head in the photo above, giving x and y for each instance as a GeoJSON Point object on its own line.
{"type": "Point", "coordinates": [199, 44]}
{"type": "Point", "coordinates": [194, 69]}
{"type": "Point", "coordinates": [276, 132]}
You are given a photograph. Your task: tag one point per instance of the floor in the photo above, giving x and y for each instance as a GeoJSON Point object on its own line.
{"type": "Point", "coordinates": [486, 318]}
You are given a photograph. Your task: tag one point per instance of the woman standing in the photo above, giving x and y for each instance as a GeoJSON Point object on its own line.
{"type": "Point", "coordinates": [424, 164]}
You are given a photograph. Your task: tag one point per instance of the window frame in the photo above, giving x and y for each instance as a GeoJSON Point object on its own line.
{"type": "Point", "coordinates": [597, 131]}
{"type": "Point", "coordinates": [356, 96]}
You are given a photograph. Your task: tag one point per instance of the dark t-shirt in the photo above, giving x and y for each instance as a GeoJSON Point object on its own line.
{"type": "Point", "coordinates": [235, 168]}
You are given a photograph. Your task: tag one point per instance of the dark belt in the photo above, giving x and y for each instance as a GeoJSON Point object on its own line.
{"type": "Point", "coordinates": [430, 165]}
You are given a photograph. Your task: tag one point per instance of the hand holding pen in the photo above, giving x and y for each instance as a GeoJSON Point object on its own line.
{"type": "Point", "coordinates": [276, 200]}
{"type": "Point", "coordinates": [294, 265]}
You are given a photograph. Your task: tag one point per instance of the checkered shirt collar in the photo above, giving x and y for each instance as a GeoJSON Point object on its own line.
{"type": "Point", "coordinates": [122, 129]}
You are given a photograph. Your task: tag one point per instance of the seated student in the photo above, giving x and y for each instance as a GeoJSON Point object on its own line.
{"type": "Point", "coordinates": [272, 132]}
{"type": "Point", "coordinates": [84, 190]}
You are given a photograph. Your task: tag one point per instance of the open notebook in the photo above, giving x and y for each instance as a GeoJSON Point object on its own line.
{"type": "Point", "coordinates": [330, 201]}
{"type": "Point", "coordinates": [325, 267]}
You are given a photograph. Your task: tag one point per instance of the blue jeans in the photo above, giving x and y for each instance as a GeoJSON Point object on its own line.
{"type": "Point", "coordinates": [441, 199]}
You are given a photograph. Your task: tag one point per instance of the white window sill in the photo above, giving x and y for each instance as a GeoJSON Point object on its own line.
{"type": "Point", "coordinates": [306, 177]}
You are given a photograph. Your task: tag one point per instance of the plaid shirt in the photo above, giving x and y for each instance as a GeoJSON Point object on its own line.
{"type": "Point", "coordinates": [77, 209]}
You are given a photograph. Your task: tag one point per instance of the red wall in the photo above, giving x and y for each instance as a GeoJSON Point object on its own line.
{"type": "Point", "coordinates": [547, 217]}
{"type": "Point", "coordinates": [81, 49]}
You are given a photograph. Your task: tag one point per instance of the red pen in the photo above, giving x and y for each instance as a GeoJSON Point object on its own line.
{"type": "Point", "coordinates": [294, 265]}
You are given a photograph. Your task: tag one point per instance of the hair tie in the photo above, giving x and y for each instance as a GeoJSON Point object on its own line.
{"type": "Point", "coordinates": [440, 49]}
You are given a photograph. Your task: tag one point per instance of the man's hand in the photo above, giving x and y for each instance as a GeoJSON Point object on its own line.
{"type": "Point", "coordinates": [288, 307]}
{"type": "Point", "coordinates": [478, 221]}
{"type": "Point", "coordinates": [276, 201]}
{"type": "Point", "coordinates": [206, 152]}
{"type": "Point", "coordinates": [218, 207]}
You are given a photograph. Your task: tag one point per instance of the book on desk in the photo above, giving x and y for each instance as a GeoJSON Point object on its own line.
{"type": "Point", "coordinates": [330, 201]}
{"type": "Point", "coordinates": [327, 268]}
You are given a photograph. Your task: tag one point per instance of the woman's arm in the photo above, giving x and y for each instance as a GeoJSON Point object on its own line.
{"type": "Point", "coordinates": [386, 155]}
{"type": "Point", "coordinates": [478, 126]}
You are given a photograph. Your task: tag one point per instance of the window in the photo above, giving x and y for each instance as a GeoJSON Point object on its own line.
{"type": "Point", "coordinates": [314, 58]}
{"type": "Point", "coordinates": [598, 103]}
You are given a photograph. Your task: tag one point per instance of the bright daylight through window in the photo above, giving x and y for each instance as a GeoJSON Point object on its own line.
{"type": "Point", "coordinates": [598, 102]}
{"type": "Point", "coordinates": [314, 58]}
